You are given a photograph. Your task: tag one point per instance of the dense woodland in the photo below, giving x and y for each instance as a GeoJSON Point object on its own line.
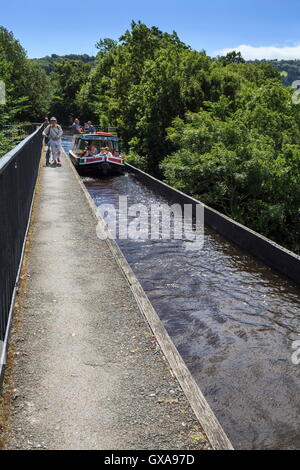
{"type": "Point", "coordinates": [223, 130]}
{"type": "Point", "coordinates": [289, 69]}
{"type": "Point", "coordinates": [47, 62]}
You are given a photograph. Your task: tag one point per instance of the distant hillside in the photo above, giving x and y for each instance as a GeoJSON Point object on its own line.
{"type": "Point", "coordinates": [47, 62]}
{"type": "Point", "coordinates": [289, 69]}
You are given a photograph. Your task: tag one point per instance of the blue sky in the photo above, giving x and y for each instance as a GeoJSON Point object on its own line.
{"type": "Point", "coordinates": [261, 28]}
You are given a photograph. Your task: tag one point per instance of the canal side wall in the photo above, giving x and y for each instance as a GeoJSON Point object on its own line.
{"type": "Point", "coordinates": [277, 257]}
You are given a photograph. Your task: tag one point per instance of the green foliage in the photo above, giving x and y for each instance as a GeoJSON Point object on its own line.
{"type": "Point", "coordinates": [142, 83]}
{"type": "Point", "coordinates": [231, 58]}
{"type": "Point", "coordinates": [289, 69]}
{"type": "Point", "coordinates": [245, 163]}
{"type": "Point", "coordinates": [67, 78]}
{"type": "Point", "coordinates": [138, 161]}
{"type": "Point", "coordinates": [106, 45]}
{"type": "Point", "coordinates": [5, 144]}
{"type": "Point", "coordinates": [39, 93]}
{"type": "Point", "coordinates": [47, 62]}
{"type": "Point", "coordinates": [27, 86]}
{"type": "Point", "coordinates": [11, 135]}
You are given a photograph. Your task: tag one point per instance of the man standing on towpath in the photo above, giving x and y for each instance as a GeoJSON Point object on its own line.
{"type": "Point", "coordinates": [54, 133]}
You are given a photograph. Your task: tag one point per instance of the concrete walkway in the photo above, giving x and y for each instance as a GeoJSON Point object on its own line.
{"type": "Point", "coordinates": [88, 373]}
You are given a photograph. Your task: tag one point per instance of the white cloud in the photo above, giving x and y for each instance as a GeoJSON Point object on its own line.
{"type": "Point", "coordinates": [251, 53]}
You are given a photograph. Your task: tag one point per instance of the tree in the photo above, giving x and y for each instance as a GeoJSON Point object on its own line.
{"type": "Point", "coordinates": [28, 88]}
{"type": "Point", "coordinates": [142, 83]}
{"type": "Point", "coordinates": [244, 161]}
{"type": "Point", "coordinates": [232, 57]}
{"type": "Point", "coordinates": [39, 93]}
{"type": "Point", "coordinates": [68, 77]}
{"type": "Point", "coordinates": [106, 45]}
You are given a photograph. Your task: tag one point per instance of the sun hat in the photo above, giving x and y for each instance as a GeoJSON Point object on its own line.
{"type": "Point", "coordinates": [53, 119]}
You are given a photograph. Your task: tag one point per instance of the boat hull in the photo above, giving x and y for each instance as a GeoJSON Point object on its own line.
{"type": "Point", "coordinates": [103, 166]}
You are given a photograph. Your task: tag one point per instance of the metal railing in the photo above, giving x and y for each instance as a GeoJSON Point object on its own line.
{"type": "Point", "coordinates": [15, 133]}
{"type": "Point", "coordinates": [18, 176]}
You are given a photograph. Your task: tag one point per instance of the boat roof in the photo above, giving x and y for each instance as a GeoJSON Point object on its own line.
{"type": "Point", "coordinates": [98, 136]}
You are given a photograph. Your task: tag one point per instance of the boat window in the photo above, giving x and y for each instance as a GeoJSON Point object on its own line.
{"type": "Point", "coordinates": [75, 142]}
{"type": "Point", "coordinates": [106, 143]}
{"type": "Point", "coordinates": [81, 146]}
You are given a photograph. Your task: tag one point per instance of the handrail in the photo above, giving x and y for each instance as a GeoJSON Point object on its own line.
{"type": "Point", "coordinates": [7, 157]}
{"type": "Point", "coordinates": [18, 175]}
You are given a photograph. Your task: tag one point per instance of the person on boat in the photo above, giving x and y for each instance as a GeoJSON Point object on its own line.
{"type": "Point", "coordinates": [103, 151]}
{"type": "Point", "coordinates": [89, 128]}
{"type": "Point", "coordinates": [85, 149]}
{"type": "Point", "coordinates": [108, 152]}
{"type": "Point", "coordinates": [54, 132]}
{"type": "Point", "coordinates": [92, 151]}
{"type": "Point", "coordinates": [76, 128]}
{"type": "Point", "coordinates": [115, 153]}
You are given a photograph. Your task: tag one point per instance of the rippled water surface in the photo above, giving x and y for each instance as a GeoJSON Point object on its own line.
{"type": "Point", "coordinates": [232, 319]}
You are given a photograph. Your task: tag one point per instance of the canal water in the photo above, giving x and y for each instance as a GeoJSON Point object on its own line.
{"type": "Point", "coordinates": [232, 319]}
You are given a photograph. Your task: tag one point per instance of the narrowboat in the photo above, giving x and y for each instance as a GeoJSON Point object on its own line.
{"type": "Point", "coordinates": [97, 153]}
